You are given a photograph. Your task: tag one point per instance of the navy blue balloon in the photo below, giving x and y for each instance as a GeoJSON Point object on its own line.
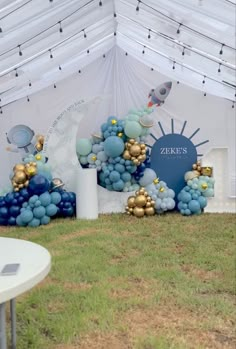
{"type": "Point", "coordinates": [3, 221]}
{"type": "Point", "coordinates": [9, 198]}
{"type": "Point", "coordinates": [24, 193]}
{"type": "Point", "coordinates": [14, 202]}
{"type": "Point", "coordinates": [3, 212]}
{"type": "Point", "coordinates": [2, 203]}
{"type": "Point", "coordinates": [38, 184]}
{"type": "Point", "coordinates": [20, 200]}
{"type": "Point", "coordinates": [65, 196]}
{"type": "Point", "coordinates": [14, 210]}
{"type": "Point", "coordinates": [12, 221]}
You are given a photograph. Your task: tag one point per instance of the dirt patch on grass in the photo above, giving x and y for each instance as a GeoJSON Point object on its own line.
{"type": "Point", "coordinates": [202, 274]}
{"type": "Point", "coordinates": [76, 286]}
{"type": "Point", "coordinates": [133, 288]}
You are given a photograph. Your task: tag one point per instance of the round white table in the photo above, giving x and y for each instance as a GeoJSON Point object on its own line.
{"type": "Point", "coordinates": [35, 264]}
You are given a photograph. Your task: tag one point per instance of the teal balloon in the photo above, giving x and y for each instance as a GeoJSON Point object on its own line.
{"type": "Point", "coordinates": [33, 199]}
{"type": "Point", "coordinates": [119, 185]}
{"type": "Point", "coordinates": [194, 206]}
{"type": "Point", "coordinates": [55, 198]}
{"type": "Point", "coordinates": [20, 222]}
{"type": "Point", "coordinates": [114, 146]}
{"type": "Point", "coordinates": [83, 146]}
{"type": "Point", "coordinates": [39, 212]}
{"type": "Point", "coordinates": [51, 210]}
{"type": "Point", "coordinates": [26, 216]}
{"type": "Point", "coordinates": [202, 201]}
{"type": "Point", "coordinates": [132, 129]}
{"type": "Point", "coordinates": [34, 223]}
{"type": "Point", "coordinates": [126, 176]}
{"type": "Point", "coordinates": [114, 176]}
{"type": "Point", "coordinates": [45, 199]}
{"type": "Point", "coordinates": [45, 220]}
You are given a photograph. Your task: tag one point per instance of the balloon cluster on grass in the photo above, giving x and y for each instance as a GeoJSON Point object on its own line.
{"type": "Point", "coordinates": [35, 197]}
{"type": "Point", "coordinates": [141, 204]}
{"type": "Point", "coordinates": [192, 199]}
{"type": "Point", "coordinates": [119, 153]}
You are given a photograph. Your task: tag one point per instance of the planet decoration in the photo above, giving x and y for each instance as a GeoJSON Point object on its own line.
{"type": "Point", "coordinates": [141, 204]}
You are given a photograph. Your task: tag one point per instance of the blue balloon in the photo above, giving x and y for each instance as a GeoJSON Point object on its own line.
{"type": "Point", "coordinates": [51, 210]}
{"type": "Point", "coordinates": [12, 221]}
{"type": "Point", "coordinates": [24, 192]}
{"type": "Point", "coordinates": [55, 198]}
{"type": "Point", "coordinates": [114, 146]}
{"type": "Point", "coordinates": [20, 222]}
{"type": "Point", "coordinates": [9, 198]}
{"type": "Point", "coordinates": [38, 184]}
{"type": "Point", "coordinates": [3, 212]}
{"type": "Point", "coordinates": [45, 220]}
{"type": "Point", "coordinates": [114, 176]}
{"type": "Point", "coordinates": [67, 212]}
{"type": "Point", "coordinates": [39, 212]}
{"type": "Point", "coordinates": [33, 199]}
{"type": "Point", "coordinates": [194, 206]}
{"type": "Point", "coordinates": [126, 176]}
{"type": "Point", "coordinates": [14, 210]}
{"type": "Point", "coordinates": [26, 216]}
{"type": "Point", "coordinates": [34, 223]}
{"type": "Point", "coordinates": [119, 185]}
{"type": "Point", "coordinates": [65, 196]}
{"type": "Point", "coordinates": [45, 198]}
{"type": "Point", "coordinates": [202, 201]}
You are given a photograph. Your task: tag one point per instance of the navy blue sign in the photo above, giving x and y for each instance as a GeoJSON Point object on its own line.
{"type": "Point", "coordinates": [172, 155]}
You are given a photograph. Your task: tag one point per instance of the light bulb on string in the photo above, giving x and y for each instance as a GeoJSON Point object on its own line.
{"type": "Point", "coordinates": [28, 99]}
{"type": "Point", "coordinates": [233, 105]}
{"type": "Point", "coordinates": [100, 3]}
{"type": "Point", "coordinates": [205, 94]}
{"type": "Point", "coordinates": [60, 27]}
{"type": "Point", "coordinates": [203, 81]}
{"type": "Point", "coordinates": [30, 84]}
{"type": "Point", "coordinates": [0, 29]}
{"type": "Point", "coordinates": [104, 56]}
{"type": "Point", "coordinates": [219, 70]}
{"type": "Point", "coordinates": [126, 53]}
{"type": "Point", "coordinates": [178, 30]}
{"type": "Point", "coordinates": [55, 86]}
{"type": "Point", "coordinates": [20, 52]}
{"type": "Point", "coordinates": [183, 53]}
{"type": "Point", "coordinates": [51, 55]}
{"type": "Point", "coordinates": [85, 35]}
{"type": "Point", "coordinates": [114, 33]}
{"type": "Point", "coordinates": [59, 67]}
{"type": "Point", "coordinates": [143, 50]}
{"type": "Point", "coordinates": [177, 82]}
{"type": "Point", "coordinates": [149, 33]}
{"type": "Point", "coordinates": [87, 51]}
{"type": "Point", "coordinates": [137, 8]}
{"type": "Point", "coordinates": [173, 67]}
{"type": "Point", "coordinates": [114, 15]}
{"type": "Point", "coordinates": [152, 69]}
{"type": "Point", "coordinates": [16, 74]}
{"type": "Point", "coordinates": [221, 50]}
{"type": "Point", "coordinates": [1, 110]}
{"type": "Point", "coordinates": [79, 71]}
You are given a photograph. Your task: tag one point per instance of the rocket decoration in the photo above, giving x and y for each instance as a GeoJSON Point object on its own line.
{"type": "Point", "coordinates": [158, 95]}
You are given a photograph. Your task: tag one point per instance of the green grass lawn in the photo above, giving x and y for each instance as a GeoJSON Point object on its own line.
{"type": "Point", "coordinates": [120, 282]}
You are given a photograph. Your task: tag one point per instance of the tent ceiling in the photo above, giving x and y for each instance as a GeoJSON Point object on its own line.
{"type": "Point", "coordinates": [149, 33]}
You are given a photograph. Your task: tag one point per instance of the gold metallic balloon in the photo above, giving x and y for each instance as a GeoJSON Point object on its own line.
{"type": "Point", "coordinates": [194, 166]}
{"type": "Point", "coordinates": [152, 202]}
{"type": "Point", "coordinates": [140, 200]}
{"type": "Point", "coordinates": [40, 139]}
{"type": "Point", "coordinates": [20, 177]}
{"type": "Point", "coordinates": [132, 141]}
{"type": "Point", "coordinates": [126, 155]}
{"type": "Point", "coordinates": [19, 167]}
{"type": "Point", "coordinates": [206, 171]}
{"type": "Point", "coordinates": [30, 170]}
{"type": "Point", "coordinates": [38, 146]}
{"type": "Point", "coordinates": [138, 211]}
{"type": "Point", "coordinates": [131, 201]}
{"type": "Point", "coordinates": [135, 150]}
{"type": "Point", "coordinates": [149, 211]}
{"type": "Point", "coordinates": [148, 204]}
{"type": "Point", "coordinates": [120, 134]}
{"type": "Point", "coordinates": [141, 190]}
{"type": "Point", "coordinates": [135, 161]}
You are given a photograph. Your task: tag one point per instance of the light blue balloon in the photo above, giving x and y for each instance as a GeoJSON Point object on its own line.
{"type": "Point", "coordinates": [194, 206]}
{"type": "Point", "coordinates": [33, 199]}
{"type": "Point", "coordinates": [45, 199]}
{"type": "Point", "coordinates": [119, 168]}
{"type": "Point", "coordinates": [55, 198]}
{"type": "Point", "coordinates": [114, 146]}
{"type": "Point", "coordinates": [51, 210]}
{"type": "Point", "coordinates": [114, 176]}
{"type": "Point", "coordinates": [26, 216]}
{"type": "Point", "coordinates": [45, 220]}
{"type": "Point", "coordinates": [119, 185]}
{"type": "Point", "coordinates": [83, 146]}
{"type": "Point", "coordinates": [83, 160]}
{"type": "Point", "coordinates": [202, 201]}
{"type": "Point", "coordinates": [37, 203]}
{"type": "Point", "coordinates": [126, 176]}
{"type": "Point", "coordinates": [132, 129]}
{"type": "Point", "coordinates": [148, 177]}
{"type": "Point", "coordinates": [34, 223]}
{"type": "Point", "coordinates": [20, 222]}
{"type": "Point", "coordinates": [39, 212]}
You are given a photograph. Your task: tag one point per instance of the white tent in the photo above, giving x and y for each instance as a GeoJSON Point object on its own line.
{"type": "Point", "coordinates": [54, 53]}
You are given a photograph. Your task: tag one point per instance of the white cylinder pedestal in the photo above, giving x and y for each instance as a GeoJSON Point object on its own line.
{"type": "Point", "coordinates": [86, 194]}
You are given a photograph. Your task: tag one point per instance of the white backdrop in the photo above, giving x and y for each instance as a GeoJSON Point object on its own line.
{"type": "Point", "coordinates": [124, 83]}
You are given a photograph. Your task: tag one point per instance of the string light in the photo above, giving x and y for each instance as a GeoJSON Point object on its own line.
{"type": "Point", "coordinates": [137, 8]}
{"type": "Point", "coordinates": [100, 3]}
{"type": "Point", "coordinates": [152, 69]}
{"type": "Point", "coordinates": [51, 55]}
{"type": "Point", "coordinates": [221, 50]}
{"type": "Point", "coordinates": [30, 84]}
{"type": "Point", "coordinates": [178, 30]}
{"type": "Point", "coordinates": [60, 27]}
{"type": "Point", "coordinates": [59, 67]}
{"type": "Point", "coordinates": [205, 94]}
{"type": "Point", "coordinates": [114, 33]}
{"type": "Point", "coordinates": [79, 71]}
{"type": "Point", "coordinates": [177, 82]}
{"type": "Point", "coordinates": [143, 50]}
{"type": "Point", "coordinates": [85, 35]}
{"type": "Point", "coordinates": [219, 70]}
{"type": "Point", "coordinates": [149, 33]}
{"type": "Point", "coordinates": [87, 51]}
{"type": "Point", "coordinates": [173, 67]}
{"type": "Point", "coordinates": [55, 86]}
{"type": "Point", "coordinates": [203, 81]}
{"type": "Point", "coordinates": [0, 29]}
{"type": "Point", "coordinates": [104, 56]}
{"type": "Point", "coordinates": [1, 110]}
{"type": "Point", "coordinates": [16, 74]}
{"type": "Point", "coordinates": [126, 53]}
{"type": "Point", "coordinates": [183, 53]}
{"type": "Point", "coordinates": [114, 14]}
{"type": "Point", "coordinates": [28, 99]}
{"type": "Point", "coordinates": [20, 52]}
{"type": "Point", "coordinates": [233, 105]}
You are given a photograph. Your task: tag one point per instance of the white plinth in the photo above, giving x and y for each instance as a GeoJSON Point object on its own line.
{"type": "Point", "coordinates": [86, 193]}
